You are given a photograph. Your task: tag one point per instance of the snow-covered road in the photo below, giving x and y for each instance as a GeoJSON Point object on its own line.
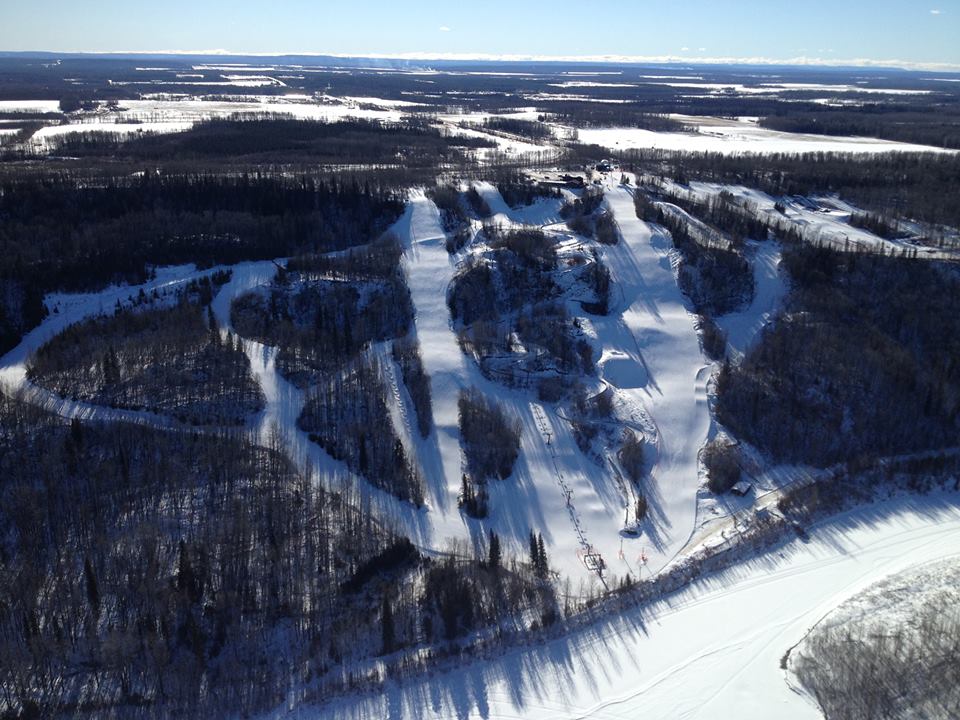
{"type": "Point", "coordinates": [710, 651]}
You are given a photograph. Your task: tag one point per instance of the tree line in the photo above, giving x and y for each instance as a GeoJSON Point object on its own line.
{"type": "Point", "coordinates": [62, 231]}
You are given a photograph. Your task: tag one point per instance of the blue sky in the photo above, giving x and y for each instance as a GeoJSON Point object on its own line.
{"type": "Point", "coordinates": [913, 31]}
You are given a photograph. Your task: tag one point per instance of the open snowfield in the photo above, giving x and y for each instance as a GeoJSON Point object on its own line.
{"type": "Point", "coordinates": [113, 128]}
{"type": "Point", "coordinates": [710, 651]}
{"type": "Point", "coordinates": [29, 106]}
{"type": "Point", "coordinates": [739, 136]}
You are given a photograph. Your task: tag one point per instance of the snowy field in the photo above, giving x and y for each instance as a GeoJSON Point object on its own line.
{"type": "Point", "coordinates": [710, 651]}
{"type": "Point", "coordinates": [739, 136]}
{"type": "Point", "coordinates": [160, 113]}
{"type": "Point", "coordinates": [120, 129]}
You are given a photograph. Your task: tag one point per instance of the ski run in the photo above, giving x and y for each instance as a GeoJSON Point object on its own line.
{"type": "Point", "coordinates": [724, 635]}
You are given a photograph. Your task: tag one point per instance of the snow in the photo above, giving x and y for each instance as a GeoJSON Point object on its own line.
{"type": "Point", "coordinates": [119, 129]}
{"type": "Point", "coordinates": [586, 84]}
{"type": "Point", "coordinates": [507, 145]}
{"type": "Point", "coordinates": [712, 650]}
{"type": "Point", "coordinates": [770, 289]}
{"type": "Point", "coordinates": [29, 106]}
{"type": "Point", "coordinates": [382, 102]}
{"type": "Point", "coordinates": [170, 114]}
{"type": "Point", "coordinates": [533, 497]}
{"type": "Point", "coordinates": [739, 136]}
{"type": "Point", "coordinates": [778, 88]}
{"type": "Point", "coordinates": [827, 219]}
{"type": "Point", "coordinates": [657, 362]}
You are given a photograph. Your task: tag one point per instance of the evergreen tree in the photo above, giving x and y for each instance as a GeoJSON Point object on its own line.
{"type": "Point", "coordinates": [542, 565]}
{"type": "Point", "coordinates": [534, 552]}
{"type": "Point", "coordinates": [212, 324]}
{"type": "Point", "coordinates": [388, 631]}
{"type": "Point", "coordinates": [76, 432]}
{"type": "Point", "coordinates": [93, 592]}
{"type": "Point", "coordinates": [493, 558]}
{"type": "Point", "coordinates": [187, 581]}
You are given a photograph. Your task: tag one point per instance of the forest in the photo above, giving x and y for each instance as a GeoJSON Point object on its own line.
{"type": "Point", "coordinates": [713, 272]}
{"type": "Point", "coordinates": [278, 139]}
{"type": "Point", "coordinates": [324, 313]}
{"type": "Point", "coordinates": [859, 332]}
{"type": "Point", "coordinates": [938, 126]}
{"type": "Point", "coordinates": [347, 415]}
{"type": "Point", "coordinates": [859, 665]}
{"type": "Point", "coordinates": [143, 569]}
{"type": "Point", "coordinates": [510, 295]}
{"type": "Point", "coordinates": [321, 312]}
{"type": "Point", "coordinates": [170, 360]}
{"type": "Point", "coordinates": [146, 571]}
{"type": "Point", "coordinates": [62, 231]}
{"type": "Point", "coordinates": [453, 214]}
{"type": "Point", "coordinates": [917, 186]}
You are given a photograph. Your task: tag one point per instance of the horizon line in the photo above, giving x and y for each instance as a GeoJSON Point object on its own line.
{"type": "Point", "coordinates": [799, 62]}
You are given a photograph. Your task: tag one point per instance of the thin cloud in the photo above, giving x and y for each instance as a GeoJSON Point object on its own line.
{"type": "Point", "coordinates": [444, 28]}
{"type": "Point", "coordinates": [426, 57]}
{"type": "Point", "coordinates": [936, 12]}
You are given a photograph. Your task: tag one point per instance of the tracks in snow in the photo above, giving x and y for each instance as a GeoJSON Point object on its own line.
{"type": "Point", "coordinates": [592, 559]}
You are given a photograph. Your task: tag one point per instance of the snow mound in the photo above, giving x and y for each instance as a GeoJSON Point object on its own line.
{"type": "Point", "coordinates": [623, 372]}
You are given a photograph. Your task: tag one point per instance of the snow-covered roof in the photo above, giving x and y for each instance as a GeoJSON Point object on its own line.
{"type": "Point", "coordinates": [742, 487]}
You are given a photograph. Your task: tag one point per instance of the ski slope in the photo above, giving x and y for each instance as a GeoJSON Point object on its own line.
{"type": "Point", "coordinates": [823, 220]}
{"type": "Point", "coordinates": [535, 496]}
{"type": "Point", "coordinates": [652, 353]}
{"type": "Point", "coordinates": [648, 349]}
{"type": "Point", "coordinates": [770, 290]}
{"type": "Point", "coordinates": [710, 651]}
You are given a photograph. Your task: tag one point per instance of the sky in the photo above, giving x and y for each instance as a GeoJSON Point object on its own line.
{"type": "Point", "coordinates": [908, 32]}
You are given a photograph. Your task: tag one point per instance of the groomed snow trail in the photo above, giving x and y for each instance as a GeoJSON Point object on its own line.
{"type": "Point", "coordinates": [66, 309]}
{"type": "Point", "coordinates": [653, 354]}
{"type": "Point", "coordinates": [710, 651]}
{"type": "Point", "coordinates": [770, 290]}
